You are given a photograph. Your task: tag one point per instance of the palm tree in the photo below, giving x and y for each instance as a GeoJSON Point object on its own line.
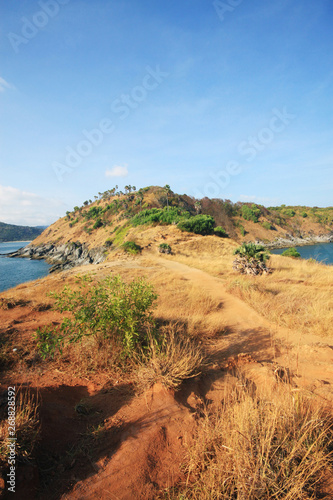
{"type": "Point", "coordinates": [167, 190]}
{"type": "Point", "coordinates": [252, 259]}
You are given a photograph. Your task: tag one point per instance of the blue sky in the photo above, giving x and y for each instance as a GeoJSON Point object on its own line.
{"type": "Point", "coordinates": [222, 99]}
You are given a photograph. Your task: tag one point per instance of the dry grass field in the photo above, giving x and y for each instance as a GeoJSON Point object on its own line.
{"type": "Point", "coordinates": [217, 411]}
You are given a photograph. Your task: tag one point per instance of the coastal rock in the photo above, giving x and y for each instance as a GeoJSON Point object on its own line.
{"type": "Point", "coordinates": [292, 241]}
{"type": "Point", "coordinates": [62, 257]}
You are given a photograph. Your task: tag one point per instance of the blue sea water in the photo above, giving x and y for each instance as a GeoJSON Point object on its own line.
{"type": "Point", "coordinates": [16, 271]}
{"type": "Point", "coordinates": [322, 252]}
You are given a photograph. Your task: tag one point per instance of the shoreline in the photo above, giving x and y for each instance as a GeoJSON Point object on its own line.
{"type": "Point", "coordinates": [294, 241]}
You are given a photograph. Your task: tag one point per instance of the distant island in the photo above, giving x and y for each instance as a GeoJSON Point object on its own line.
{"type": "Point", "coordinates": [10, 232]}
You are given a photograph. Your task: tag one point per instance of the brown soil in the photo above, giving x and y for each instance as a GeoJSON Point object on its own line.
{"type": "Point", "coordinates": [99, 440]}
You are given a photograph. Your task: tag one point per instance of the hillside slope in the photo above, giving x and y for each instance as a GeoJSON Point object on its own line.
{"type": "Point", "coordinates": [109, 219]}
{"type": "Point", "coordinates": [11, 232]}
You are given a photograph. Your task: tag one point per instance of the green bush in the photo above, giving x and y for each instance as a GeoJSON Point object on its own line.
{"type": "Point", "coordinates": [164, 248]}
{"type": "Point", "coordinates": [93, 213]}
{"type": "Point", "coordinates": [266, 225]}
{"type": "Point", "coordinates": [110, 309]}
{"type": "Point", "coordinates": [289, 212]}
{"type": "Point", "coordinates": [98, 224]}
{"type": "Point", "coordinates": [199, 224]}
{"type": "Point", "coordinates": [219, 231]}
{"type": "Point", "coordinates": [159, 216]}
{"type": "Point", "coordinates": [252, 213]}
{"type": "Point", "coordinates": [291, 252]}
{"type": "Point", "coordinates": [131, 247]}
{"type": "Point", "coordinates": [304, 214]}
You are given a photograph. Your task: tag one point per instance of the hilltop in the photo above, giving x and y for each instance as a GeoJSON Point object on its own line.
{"type": "Point", "coordinates": [11, 232]}
{"type": "Point", "coordinates": [99, 228]}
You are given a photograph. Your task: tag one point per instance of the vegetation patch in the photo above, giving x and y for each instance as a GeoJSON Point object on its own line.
{"type": "Point", "coordinates": [291, 252]}
{"type": "Point", "coordinates": [199, 224]}
{"type": "Point", "coordinates": [166, 215]}
{"type": "Point", "coordinates": [109, 310]}
{"type": "Point", "coordinates": [251, 259]}
{"type": "Point", "coordinates": [164, 248]}
{"type": "Point", "coordinates": [258, 449]}
{"type": "Point", "coordinates": [131, 247]}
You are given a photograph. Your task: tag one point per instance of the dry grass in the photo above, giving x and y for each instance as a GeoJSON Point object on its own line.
{"type": "Point", "coordinates": [181, 301]}
{"type": "Point", "coordinates": [297, 295]}
{"type": "Point", "coordinates": [27, 427]}
{"type": "Point", "coordinates": [257, 448]}
{"type": "Point", "coordinates": [178, 359]}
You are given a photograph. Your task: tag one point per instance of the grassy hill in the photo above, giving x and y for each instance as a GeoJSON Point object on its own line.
{"type": "Point", "coordinates": [115, 217]}
{"type": "Point", "coordinates": [10, 232]}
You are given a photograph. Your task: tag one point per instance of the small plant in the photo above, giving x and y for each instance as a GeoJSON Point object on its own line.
{"type": "Point", "coordinates": [176, 359]}
{"type": "Point", "coordinates": [304, 214]}
{"type": "Point", "coordinates": [131, 247]}
{"type": "Point", "coordinates": [27, 428]}
{"type": "Point", "coordinates": [109, 309]}
{"type": "Point", "coordinates": [267, 225]}
{"type": "Point", "coordinates": [108, 243]}
{"type": "Point", "coordinates": [164, 248]}
{"type": "Point", "coordinates": [252, 259]}
{"type": "Point", "coordinates": [98, 224]}
{"type": "Point", "coordinates": [291, 252]}
{"type": "Point", "coordinates": [219, 231]}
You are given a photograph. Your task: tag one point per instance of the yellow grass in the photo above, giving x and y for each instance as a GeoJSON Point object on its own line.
{"type": "Point", "coordinates": [258, 448]}
{"type": "Point", "coordinates": [297, 295]}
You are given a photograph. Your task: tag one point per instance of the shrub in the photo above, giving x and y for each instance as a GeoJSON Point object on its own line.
{"type": "Point", "coordinates": [98, 224]}
{"type": "Point", "coordinates": [266, 225]}
{"type": "Point", "coordinates": [175, 359]}
{"type": "Point", "coordinates": [108, 243]}
{"type": "Point", "coordinates": [110, 309]}
{"type": "Point", "coordinates": [252, 259]}
{"type": "Point", "coordinates": [289, 212]}
{"type": "Point", "coordinates": [159, 216]}
{"type": "Point", "coordinates": [199, 224]}
{"type": "Point", "coordinates": [291, 252]}
{"type": "Point", "coordinates": [219, 231]}
{"type": "Point", "coordinates": [131, 247]}
{"type": "Point", "coordinates": [252, 213]}
{"type": "Point", "coordinates": [93, 213]}
{"type": "Point", "coordinates": [164, 248]}
{"type": "Point", "coordinates": [304, 214]}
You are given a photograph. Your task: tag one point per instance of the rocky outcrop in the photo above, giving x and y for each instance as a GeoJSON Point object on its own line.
{"type": "Point", "coordinates": [292, 241]}
{"type": "Point", "coordinates": [63, 256]}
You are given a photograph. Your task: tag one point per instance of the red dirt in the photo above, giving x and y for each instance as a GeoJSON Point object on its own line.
{"type": "Point", "coordinates": [140, 450]}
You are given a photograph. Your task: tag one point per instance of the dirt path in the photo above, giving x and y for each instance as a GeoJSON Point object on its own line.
{"type": "Point", "coordinates": [309, 357]}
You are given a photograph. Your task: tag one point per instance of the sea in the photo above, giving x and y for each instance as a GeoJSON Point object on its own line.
{"type": "Point", "coordinates": [16, 271]}
{"type": "Point", "coordinates": [322, 252]}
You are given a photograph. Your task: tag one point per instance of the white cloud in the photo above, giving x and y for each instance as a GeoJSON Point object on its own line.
{"type": "Point", "coordinates": [4, 85]}
{"type": "Point", "coordinates": [117, 171]}
{"type": "Point", "coordinates": [24, 208]}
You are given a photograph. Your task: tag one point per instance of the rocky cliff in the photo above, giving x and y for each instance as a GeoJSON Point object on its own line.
{"type": "Point", "coordinates": [63, 256]}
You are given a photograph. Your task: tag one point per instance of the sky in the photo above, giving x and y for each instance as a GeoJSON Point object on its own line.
{"type": "Point", "coordinates": [226, 99]}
